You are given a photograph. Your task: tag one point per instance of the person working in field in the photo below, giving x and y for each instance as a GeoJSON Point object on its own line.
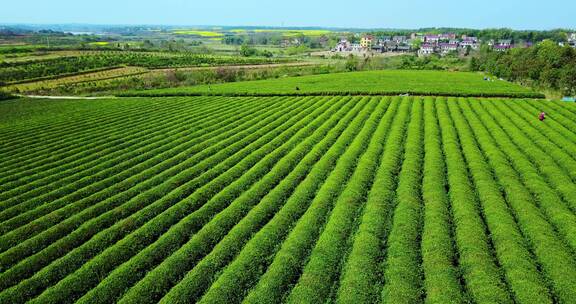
{"type": "Point", "coordinates": [542, 116]}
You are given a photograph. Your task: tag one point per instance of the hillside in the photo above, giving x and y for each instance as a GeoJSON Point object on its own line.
{"type": "Point", "coordinates": [341, 199]}
{"type": "Point", "coordinates": [383, 82]}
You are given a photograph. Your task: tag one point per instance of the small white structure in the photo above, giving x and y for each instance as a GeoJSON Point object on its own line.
{"type": "Point", "coordinates": [431, 38]}
{"type": "Point", "coordinates": [427, 49]}
{"type": "Point", "coordinates": [446, 48]}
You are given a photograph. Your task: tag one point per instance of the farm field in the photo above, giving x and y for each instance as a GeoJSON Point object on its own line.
{"type": "Point", "coordinates": [365, 82]}
{"type": "Point", "coordinates": [78, 79]}
{"type": "Point", "coordinates": [296, 199]}
{"type": "Point", "coordinates": [44, 69]}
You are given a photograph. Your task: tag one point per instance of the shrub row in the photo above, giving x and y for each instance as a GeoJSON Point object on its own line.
{"type": "Point", "coordinates": [555, 133]}
{"type": "Point", "coordinates": [555, 108]}
{"type": "Point", "coordinates": [476, 259]}
{"type": "Point", "coordinates": [229, 185]}
{"type": "Point", "coordinates": [124, 190]}
{"type": "Point", "coordinates": [550, 143]}
{"type": "Point", "coordinates": [29, 80]}
{"type": "Point", "coordinates": [79, 255]}
{"type": "Point", "coordinates": [136, 198]}
{"type": "Point", "coordinates": [291, 256]}
{"type": "Point", "coordinates": [33, 144]}
{"type": "Point", "coordinates": [276, 183]}
{"type": "Point", "coordinates": [555, 122]}
{"type": "Point", "coordinates": [110, 149]}
{"type": "Point", "coordinates": [324, 93]}
{"type": "Point", "coordinates": [547, 166]}
{"type": "Point", "coordinates": [306, 179]}
{"type": "Point", "coordinates": [548, 200]}
{"type": "Point", "coordinates": [555, 259]}
{"type": "Point", "coordinates": [107, 173]}
{"type": "Point", "coordinates": [362, 278]}
{"type": "Point", "coordinates": [560, 116]}
{"type": "Point", "coordinates": [526, 282]}
{"type": "Point", "coordinates": [58, 182]}
{"type": "Point", "coordinates": [323, 269]}
{"type": "Point", "coordinates": [441, 276]}
{"type": "Point", "coordinates": [402, 273]}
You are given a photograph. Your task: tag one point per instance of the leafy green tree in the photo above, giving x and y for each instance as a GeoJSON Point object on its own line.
{"type": "Point", "coordinates": [247, 51]}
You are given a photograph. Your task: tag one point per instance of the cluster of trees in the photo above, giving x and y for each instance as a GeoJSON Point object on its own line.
{"type": "Point", "coordinates": [545, 65]}
{"type": "Point", "coordinates": [248, 51]}
{"type": "Point", "coordinates": [433, 62]}
{"type": "Point", "coordinates": [277, 39]}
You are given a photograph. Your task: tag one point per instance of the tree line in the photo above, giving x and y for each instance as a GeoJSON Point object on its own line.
{"type": "Point", "coordinates": [545, 65]}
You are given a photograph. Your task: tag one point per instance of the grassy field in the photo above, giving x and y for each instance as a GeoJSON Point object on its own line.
{"type": "Point", "coordinates": [339, 199]}
{"type": "Point", "coordinates": [367, 82]}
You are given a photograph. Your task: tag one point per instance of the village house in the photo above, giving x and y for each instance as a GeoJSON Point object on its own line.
{"type": "Point", "coordinates": [502, 45]}
{"type": "Point", "coordinates": [418, 36]}
{"type": "Point", "coordinates": [404, 48]}
{"type": "Point", "coordinates": [399, 39]}
{"type": "Point", "coordinates": [446, 48]}
{"type": "Point", "coordinates": [431, 38]}
{"type": "Point", "coordinates": [469, 42]}
{"type": "Point", "coordinates": [345, 46]}
{"type": "Point", "coordinates": [342, 46]}
{"type": "Point", "coordinates": [427, 49]}
{"type": "Point", "coordinates": [501, 48]}
{"type": "Point", "coordinates": [572, 40]}
{"type": "Point", "coordinates": [447, 36]}
{"type": "Point", "coordinates": [356, 48]}
{"type": "Point", "coordinates": [383, 40]}
{"type": "Point", "coordinates": [469, 38]}
{"type": "Point", "coordinates": [367, 41]}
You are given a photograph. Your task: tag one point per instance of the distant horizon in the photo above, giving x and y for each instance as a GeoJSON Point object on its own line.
{"type": "Point", "coordinates": [215, 26]}
{"type": "Point", "coordinates": [370, 14]}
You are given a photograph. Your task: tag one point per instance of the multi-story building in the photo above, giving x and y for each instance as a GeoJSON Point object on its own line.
{"type": "Point", "coordinates": [427, 49]}
{"type": "Point", "coordinates": [469, 42]}
{"type": "Point", "coordinates": [447, 36]}
{"type": "Point", "coordinates": [431, 38]}
{"type": "Point", "coordinates": [367, 41]}
{"type": "Point", "coordinates": [446, 48]}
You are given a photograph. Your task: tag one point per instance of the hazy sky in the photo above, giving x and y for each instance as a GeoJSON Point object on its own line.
{"type": "Point", "coordinates": [518, 14]}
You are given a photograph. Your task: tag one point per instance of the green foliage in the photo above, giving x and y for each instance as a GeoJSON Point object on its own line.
{"type": "Point", "coordinates": [351, 63]}
{"type": "Point", "coordinates": [545, 65]}
{"type": "Point", "coordinates": [385, 82]}
{"type": "Point", "coordinates": [46, 68]}
{"type": "Point", "coordinates": [247, 51]}
{"type": "Point", "coordinates": [317, 199]}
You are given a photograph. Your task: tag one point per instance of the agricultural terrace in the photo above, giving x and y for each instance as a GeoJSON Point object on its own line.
{"type": "Point", "coordinates": [387, 82]}
{"type": "Point", "coordinates": [43, 69]}
{"type": "Point", "coordinates": [345, 199]}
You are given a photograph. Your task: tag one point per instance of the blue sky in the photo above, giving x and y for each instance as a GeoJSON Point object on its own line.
{"type": "Point", "coordinates": [518, 14]}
